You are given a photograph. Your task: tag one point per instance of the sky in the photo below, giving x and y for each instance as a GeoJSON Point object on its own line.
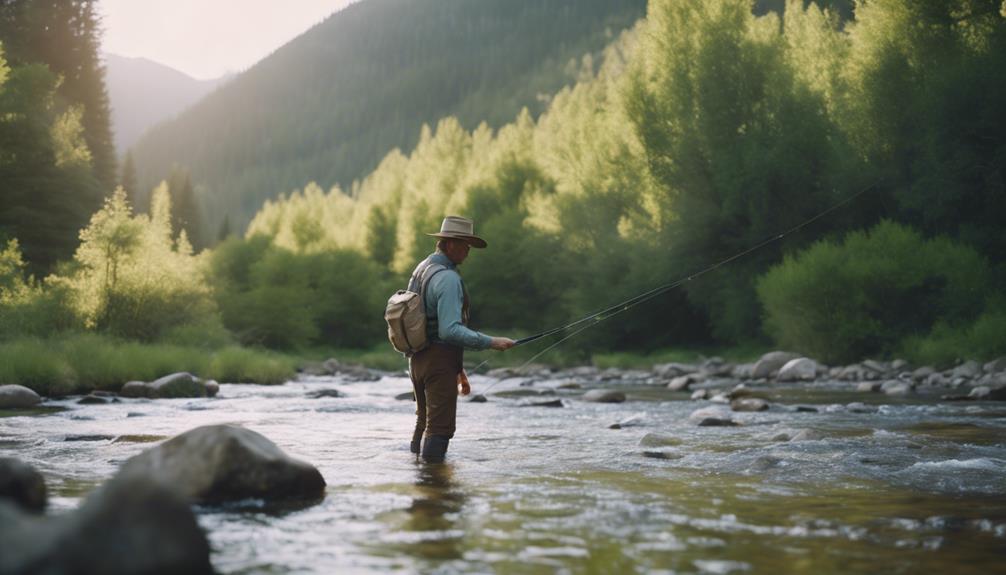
{"type": "Point", "coordinates": [207, 38]}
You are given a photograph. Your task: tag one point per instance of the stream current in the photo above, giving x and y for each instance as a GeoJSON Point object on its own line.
{"type": "Point", "coordinates": [864, 484]}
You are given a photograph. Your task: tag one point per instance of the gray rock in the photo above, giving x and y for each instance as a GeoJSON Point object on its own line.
{"type": "Point", "coordinates": [937, 379]}
{"type": "Point", "coordinates": [219, 463]}
{"type": "Point", "coordinates": [671, 370]}
{"type": "Point", "coordinates": [984, 393]}
{"type": "Point", "coordinates": [325, 393]}
{"type": "Point", "coordinates": [582, 371]}
{"type": "Point", "coordinates": [806, 409]}
{"type": "Point", "coordinates": [854, 372]}
{"type": "Point", "coordinates": [996, 365]}
{"type": "Point", "coordinates": [764, 463]}
{"type": "Point", "coordinates": [800, 369]}
{"type": "Point", "coordinates": [711, 417]}
{"type": "Point", "coordinates": [93, 400]}
{"type": "Point", "coordinates": [350, 372]}
{"type": "Point", "coordinates": [212, 387]}
{"type": "Point", "coordinates": [968, 369]}
{"type": "Point", "coordinates": [569, 385]}
{"type": "Point", "coordinates": [478, 398]}
{"type": "Point", "coordinates": [681, 383]}
{"type": "Point", "coordinates": [878, 367]}
{"type": "Point", "coordinates": [743, 371]}
{"type": "Point", "coordinates": [181, 384]}
{"type": "Point", "coordinates": [899, 365]}
{"type": "Point", "coordinates": [130, 525]}
{"type": "Point", "coordinates": [859, 407]}
{"type": "Point", "coordinates": [868, 386]}
{"type": "Point", "coordinates": [771, 362]}
{"type": "Point", "coordinates": [604, 396]}
{"type": "Point", "coordinates": [749, 404]}
{"type": "Point", "coordinates": [17, 396]}
{"type": "Point", "coordinates": [633, 421]}
{"type": "Point", "coordinates": [407, 396]}
{"type": "Point", "coordinates": [923, 373]}
{"type": "Point", "coordinates": [700, 394]}
{"type": "Point", "coordinates": [22, 484]}
{"type": "Point", "coordinates": [553, 403]}
{"type": "Point", "coordinates": [661, 455]}
{"type": "Point", "coordinates": [135, 389]}
{"type": "Point", "coordinates": [658, 440]}
{"type": "Point", "coordinates": [740, 390]}
{"type": "Point", "coordinates": [896, 387]}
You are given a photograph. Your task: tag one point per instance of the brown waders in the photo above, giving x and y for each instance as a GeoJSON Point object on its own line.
{"type": "Point", "coordinates": [434, 372]}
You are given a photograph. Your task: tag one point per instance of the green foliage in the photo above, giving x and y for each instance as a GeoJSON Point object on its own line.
{"type": "Point", "coordinates": [32, 363]}
{"type": "Point", "coordinates": [242, 365]}
{"type": "Point", "coordinates": [271, 296]}
{"type": "Point", "coordinates": [842, 302]}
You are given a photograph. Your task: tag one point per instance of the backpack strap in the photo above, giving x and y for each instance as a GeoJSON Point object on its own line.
{"type": "Point", "coordinates": [426, 276]}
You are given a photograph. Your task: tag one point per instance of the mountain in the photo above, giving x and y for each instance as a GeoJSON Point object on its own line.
{"type": "Point", "coordinates": [330, 104]}
{"type": "Point", "coordinates": [144, 93]}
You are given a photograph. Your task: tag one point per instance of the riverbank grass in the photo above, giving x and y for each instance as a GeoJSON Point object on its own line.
{"type": "Point", "coordinates": [86, 362]}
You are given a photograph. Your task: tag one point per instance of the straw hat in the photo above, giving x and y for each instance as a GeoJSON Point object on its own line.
{"type": "Point", "coordinates": [458, 228]}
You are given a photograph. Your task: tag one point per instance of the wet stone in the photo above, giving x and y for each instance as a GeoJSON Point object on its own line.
{"type": "Point", "coordinates": [553, 403]}
{"type": "Point", "coordinates": [700, 394]}
{"type": "Point", "coordinates": [325, 393]}
{"type": "Point", "coordinates": [407, 396]}
{"type": "Point", "coordinates": [93, 437]}
{"type": "Point", "coordinates": [22, 485]}
{"type": "Point", "coordinates": [658, 440]}
{"type": "Point", "coordinates": [806, 409]}
{"type": "Point", "coordinates": [93, 400]}
{"type": "Point", "coordinates": [478, 398]}
{"type": "Point", "coordinates": [18, 396]}
{"type": "Point", "coordinates": [868, 386]}
{"type": "Point", "coordinates": [716, 422]}
{"type": "Point", "coordinates": [604, 396]}
{"type": "Point", "coordinates": [749, 404]}
{"type": "Point", "coordinates": [661, 455]}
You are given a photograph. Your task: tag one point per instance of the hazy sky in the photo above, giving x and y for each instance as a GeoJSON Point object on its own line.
{"type": "Point", "coordinates": [207, 38]}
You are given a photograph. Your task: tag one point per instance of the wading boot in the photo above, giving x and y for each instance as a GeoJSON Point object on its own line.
{"type": "Point", "coordinates": [435, 448]}
{"type": "Point", "coordinates": [417, 441]}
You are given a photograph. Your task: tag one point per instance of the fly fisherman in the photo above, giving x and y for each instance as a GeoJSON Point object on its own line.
{"type": "Point", "coordinates": [437, 371]}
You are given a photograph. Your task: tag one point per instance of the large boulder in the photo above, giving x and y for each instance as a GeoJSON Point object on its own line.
{"type": "Point", "coordinates": [969, 369]}
{"type": "Point", "coordinates": [129, 525]}
{"type": "Point", "coordinates": [219, 463]}
{"type": "Point", "coordinates": [22, 484]}
{"type": "Point", "coordinates": [16, 396]}
{"type": "Point", "coordinates": [996, 365]}
{"type": "Point", "coordinates": [770, 363]}
{"type": "Point", "coordinates": [604, 396]}
{"type": "Point", "coordinates": [182, 384]}
{"type": "Point", "coordinates": [988, 393]}
{"type": "Point", "coordinates": [800, 369]}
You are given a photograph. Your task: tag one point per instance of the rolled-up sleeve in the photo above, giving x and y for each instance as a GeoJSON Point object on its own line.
{"type": "Point", "coordinates": [446, 288]}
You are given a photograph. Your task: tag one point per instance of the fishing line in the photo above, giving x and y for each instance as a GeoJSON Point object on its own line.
{"type": "Point", "coordinates": [616, 309]}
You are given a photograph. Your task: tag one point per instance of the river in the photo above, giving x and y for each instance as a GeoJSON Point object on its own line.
{"type": "Point", "coordinates": [875, 485]}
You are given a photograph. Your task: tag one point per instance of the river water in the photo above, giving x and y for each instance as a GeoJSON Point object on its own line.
{"type": "Point", "coordinates": [875, 484]}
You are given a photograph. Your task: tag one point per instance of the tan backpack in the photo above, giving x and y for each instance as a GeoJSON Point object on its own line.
{"type": "Point", "coordinates": [406, 311]}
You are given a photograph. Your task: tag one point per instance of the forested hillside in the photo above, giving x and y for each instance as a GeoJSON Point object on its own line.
{"type": "Point", "coordinates": [707, 131]}
{"type": "Point", "coordinates": [330, 104]}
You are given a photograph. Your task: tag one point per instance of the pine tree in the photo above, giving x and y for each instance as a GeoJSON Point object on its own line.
{"type": "Point", "coordinates": [128, 180]}
{"type": "Point", "coordinates": [185, 215]}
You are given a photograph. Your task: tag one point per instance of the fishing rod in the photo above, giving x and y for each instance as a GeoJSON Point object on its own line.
{"type": "Point", "coordinates": [609, 312]}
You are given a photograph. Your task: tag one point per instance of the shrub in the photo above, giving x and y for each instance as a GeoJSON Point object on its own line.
{"type": "Point", "coordinates": [842, 302]}
{"type": "Point", "coordinates": [241, 365]}
{"type": "Point", "coordinates": [33, 363]}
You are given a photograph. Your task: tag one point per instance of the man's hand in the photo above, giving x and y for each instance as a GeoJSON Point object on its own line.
{"type": "Point", "coordinates": [502, 343]}
{"type": "Point", "coordinates": [463, 385]}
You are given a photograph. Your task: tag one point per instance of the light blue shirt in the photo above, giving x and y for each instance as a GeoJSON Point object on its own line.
{"type": "Point", "coordinates": [444, 298]}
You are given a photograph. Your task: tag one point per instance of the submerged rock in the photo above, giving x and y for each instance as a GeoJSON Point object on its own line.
{"type": "Point", "coordinates": [130, 525]}
{"type": "Point", "coordinates": [700, 394]}
{"type": "Point", "coordinates": [553, 403]}
{"type": "Point", "coordinates": [18, 396]}
{"type": "Point", "coordinates": [478, 398]}
{"type": "Point", "coordinates": [408, 395]}
{"type": "Point", "coordinates": [22, 485]}
{"type": "Point", "coordinates": [658, 440]}
{"type": "Point", "coordinates": [634, 421]}
{"type": "Point", "coordinates": [604, 396]}
{"type": "Point", "coordinates": [748, 404]}
{"type": "Point", "coordinates": [219, 463]}
{"type": "Point", "coordinates": [325, 393]}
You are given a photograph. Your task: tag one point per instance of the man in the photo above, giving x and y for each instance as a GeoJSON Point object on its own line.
{"type": "Point", "coordinates": [437, 371]}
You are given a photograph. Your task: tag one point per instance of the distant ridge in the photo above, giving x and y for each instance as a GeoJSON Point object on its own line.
{"type": "Point", "coordinates": [329, 105]}
{"type": "Point", "coordinates": [144, 93]}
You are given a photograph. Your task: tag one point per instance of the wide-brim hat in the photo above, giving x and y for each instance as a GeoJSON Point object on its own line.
{"type": "Point", "coordinates": [458, 228]}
